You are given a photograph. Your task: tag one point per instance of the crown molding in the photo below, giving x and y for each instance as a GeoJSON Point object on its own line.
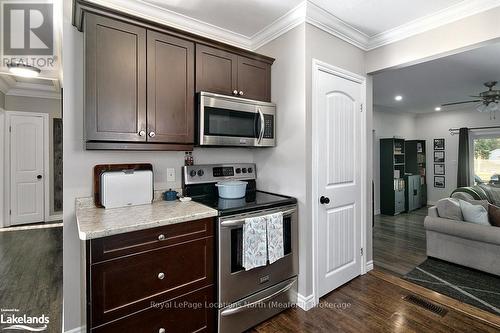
{"type": "Point", "coordinates": [306, 11]}
{"type": "Point", "coordinates": [285, 23]}
{"type": "Point", "coordinates": [151, 12]}
{"type": "Point", "coordinates": [445, 16]}
{"type": "Point", "coordinates": [10, 87]}
{"type": "Point", "coordinates": [329, 23]}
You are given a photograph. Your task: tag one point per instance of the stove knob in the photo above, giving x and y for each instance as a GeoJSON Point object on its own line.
{"type": "Point", "coordinates": [201, 173]}
{"type": "Point", "coordinates": [238, 170]}
{"type": "Point", "coordinates": [192, 173]}
{"type": "Point", "coordinates": [244, 170]}
{"type": "Point", "coordinates": [250, 170]}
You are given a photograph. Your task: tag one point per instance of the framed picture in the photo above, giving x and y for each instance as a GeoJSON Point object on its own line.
{"type": "Point", "coordinates": [439, 182]}
{"type": "Point", "coordinates": [439, 157]}
{"type": "Point", "coordinates": [439, 169]}
{"type": "Point", "coordinates": [438, 144]}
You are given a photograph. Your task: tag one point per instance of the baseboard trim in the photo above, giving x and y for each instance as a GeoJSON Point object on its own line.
{"type": "Point", "coordinates": [306, 303]}
{"type": "Point", "coordinates": [431, 203]}
{"type": "Point", "coordinates": [369, 266]}
{"type": "Point", "coordinates": [53, 218]}
{"type": "Point", "coordinates": [80, 329]}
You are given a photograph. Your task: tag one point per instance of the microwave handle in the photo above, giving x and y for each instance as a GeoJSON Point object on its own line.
{"type": "Point", "coordinates": [261, 115]}
{"type": "Point", "coordinates": [235, 223]}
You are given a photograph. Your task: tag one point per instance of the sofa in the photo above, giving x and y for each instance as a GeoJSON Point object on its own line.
{"type": "Point", "coordinates": [468, 244]}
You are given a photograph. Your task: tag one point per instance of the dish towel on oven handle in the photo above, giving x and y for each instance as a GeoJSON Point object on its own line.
{"type": "Point", "coordinates": [262, 240]}
{"type": "Point", "coordinates": [254, 242]}
{"type": "Point", "coordinates": [275, 246]}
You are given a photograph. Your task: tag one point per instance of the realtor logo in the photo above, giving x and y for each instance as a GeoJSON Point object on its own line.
{"type": "Point", "coordinates": [28, 29]}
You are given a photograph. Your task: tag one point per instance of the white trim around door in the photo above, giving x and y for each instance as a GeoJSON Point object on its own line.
{"type": "Point", "coordinates": [7, 165]}
{"type": "Point", "coordinates": [318, 66]}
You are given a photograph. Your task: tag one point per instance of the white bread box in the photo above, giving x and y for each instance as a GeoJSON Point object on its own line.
{"type": "Point", "coordinates": [126, 188]}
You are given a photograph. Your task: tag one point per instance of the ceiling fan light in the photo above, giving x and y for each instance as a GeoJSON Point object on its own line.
{"type": "Point", "coordinates": [481, 107]}
{"type": "Point", "coordinates": [492, 107]}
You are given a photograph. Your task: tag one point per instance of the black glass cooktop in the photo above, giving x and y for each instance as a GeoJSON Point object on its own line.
{"type": "Point", "coordinates": [253, 201]}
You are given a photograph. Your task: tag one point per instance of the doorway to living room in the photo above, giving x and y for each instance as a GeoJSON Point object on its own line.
{"type": "Point", "coordinates": [436, 170]}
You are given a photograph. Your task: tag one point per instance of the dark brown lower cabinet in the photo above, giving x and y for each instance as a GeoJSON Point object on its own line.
{"type": "Point", "coordinates": [183, 314]}
{"type": "Point", "coordinates": [146, 280]}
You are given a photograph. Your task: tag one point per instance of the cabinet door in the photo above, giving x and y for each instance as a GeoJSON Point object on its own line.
{"type": "Point", "coordinates": [254, 79]}
{"type": "Point", "coordinates": [170, 64]}
{"type": "Point", "coordinates": [216, 70]}
{"type": "Point", "coordinates": [115, 80]}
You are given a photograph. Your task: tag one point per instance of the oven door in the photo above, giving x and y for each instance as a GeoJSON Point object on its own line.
{"type": "Point", "coordinates": [234, 282]}
{"type": "Point", "coordinates": [233, 121]}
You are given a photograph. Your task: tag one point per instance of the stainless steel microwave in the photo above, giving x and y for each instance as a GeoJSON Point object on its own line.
{"type": "Point", "coordinates": [233, 121]}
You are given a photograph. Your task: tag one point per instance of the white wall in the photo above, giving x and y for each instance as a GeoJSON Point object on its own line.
{"type": "Point", "coordinates": [78, 164]}
{"type": "Point", "coordinates": [282, 169]}
{"type": "Point", "coordinates": [388, 124]}
{"type": "Point", "coordinates": [436, 125]}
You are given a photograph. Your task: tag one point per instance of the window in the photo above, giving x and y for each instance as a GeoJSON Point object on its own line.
{"type": "Point", "coordinates": [487, 160]}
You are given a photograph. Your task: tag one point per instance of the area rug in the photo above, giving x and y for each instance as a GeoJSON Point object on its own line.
{"type": "Point", "coordinates": [467, 285]}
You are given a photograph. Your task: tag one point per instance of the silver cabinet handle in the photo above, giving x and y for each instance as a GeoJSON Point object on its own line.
{"type": "Point", "coordinates": [161, 237]}
{"type": "Point", "coordinates": [235, 223]}
{"type": "Point", "coordinates": [142, 133]}
{"type": "Point", "coordinates": [235, 92]}
{"type": "Point", "coordinates": [152, 134]}
{"type": "Point", "coordinates": [162, 330]}
{"type": "Point", "coordinates": [261, 115]}
{"type": "Point", "coordinates": [161, 276]}
{"type": "Point", "coordinates": [231, 311]}
{"type": "Point", "coordinates": [241, 92]}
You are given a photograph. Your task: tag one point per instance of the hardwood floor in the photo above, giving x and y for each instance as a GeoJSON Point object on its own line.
{"type": "Point", "coordinates": [399, 242]}
{"type": "Point", "coordinates": [370, 304]}
{"type": "Point", "coordinates": [31, 273]}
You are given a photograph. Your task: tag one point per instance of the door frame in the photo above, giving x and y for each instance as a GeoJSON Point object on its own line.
{"type": "Point", "coordinates": [46, 171]}
{"type": "Point", "coordinates": [317, 66]}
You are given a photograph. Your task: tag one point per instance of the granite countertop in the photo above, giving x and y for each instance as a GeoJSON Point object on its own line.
{"type": "Point", "coordinates": [94, 222]}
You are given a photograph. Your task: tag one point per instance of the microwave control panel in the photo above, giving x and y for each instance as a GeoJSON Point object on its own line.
{"type": "Point", "coordinates": [268, 126]}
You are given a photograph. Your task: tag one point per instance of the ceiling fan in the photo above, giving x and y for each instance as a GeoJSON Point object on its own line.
{"type": "Point", "coordinates": [488, 101]}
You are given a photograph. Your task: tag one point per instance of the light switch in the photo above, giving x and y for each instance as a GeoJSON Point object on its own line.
{"type": "Point", "coordinates": [170, 175]}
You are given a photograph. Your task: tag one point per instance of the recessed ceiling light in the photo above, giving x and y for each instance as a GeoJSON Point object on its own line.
{"type": "Point", "coordinates": [437, 108]}
{"type": "Point", "coordinates": [24, 70]}
{"type": "Point", "coordinates": [398, 98]}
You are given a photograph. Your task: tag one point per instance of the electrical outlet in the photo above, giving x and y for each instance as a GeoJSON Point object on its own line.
{"type": "Point", "coordinates": [170, 175]}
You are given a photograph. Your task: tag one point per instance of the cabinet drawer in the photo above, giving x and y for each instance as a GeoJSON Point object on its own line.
{"type": "Point", "coordinates": [133, 242]}
{"type": "Point", "coordinates": [187, 313]}
{"type": "Point", "coordinates": [125, 285]}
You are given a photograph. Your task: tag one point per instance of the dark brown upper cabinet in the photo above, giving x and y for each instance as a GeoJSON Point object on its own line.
{"type": "Point", "coordinates": [115, 80]}
{"type": "Point", "coordinates": [216, 70]}
{"type": "Point", "coordinates": [223, 72]}
{"type": "Point", "coordinates": [170, 72]}
{"type": "Point", "coordinates": [254, 79]}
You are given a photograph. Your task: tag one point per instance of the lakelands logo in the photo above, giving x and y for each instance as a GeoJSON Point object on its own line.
{"type": "Point", "coordinates": [27, 33]}
{"type": "Point", "coordinates": [14, 321]}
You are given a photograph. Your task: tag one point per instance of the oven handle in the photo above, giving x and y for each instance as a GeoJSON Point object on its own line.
{"type": "Point", "coordinates": [234, 223]}
{"type": "Point", "coordinates": [261, 115]}
{"type": "Point", "coordinates": [231, 311]}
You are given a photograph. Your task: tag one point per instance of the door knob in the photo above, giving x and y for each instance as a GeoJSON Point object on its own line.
{"type": "Point", "coordinates": [235, 92]}
{"type": "Point", "coordinates": [162, 330]}
{"type": "Point", "coordinates": [39, 177]}
{"type": "Point", "coordinates": [241, 92]}
{"type": "Point", "coordinates": [324, 200]}
{"type": "Point", "coordinates": [161, 276]}
{"type": "Point", "coordinates": [152, 134]}
{"type": "Point", "coordinates": [142, 133]}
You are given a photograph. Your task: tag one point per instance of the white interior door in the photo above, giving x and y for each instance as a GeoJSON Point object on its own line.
{"type": "Point", "coordinates": [26, 147]}
{"type": "Point", "coordinates": [338, 108]}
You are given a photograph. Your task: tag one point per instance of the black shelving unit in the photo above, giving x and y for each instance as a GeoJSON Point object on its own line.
{"type": "Point", "coordinates": [415, 159]}
{"type": "Point", "coordinates": [392, 172]}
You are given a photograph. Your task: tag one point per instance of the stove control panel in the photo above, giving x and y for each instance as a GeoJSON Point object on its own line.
{"type": "Point", "coordinates": [212, 173]}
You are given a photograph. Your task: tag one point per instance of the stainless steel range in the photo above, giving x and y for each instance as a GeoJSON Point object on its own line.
{"type": "Point", "coordinates": [246, 297]}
